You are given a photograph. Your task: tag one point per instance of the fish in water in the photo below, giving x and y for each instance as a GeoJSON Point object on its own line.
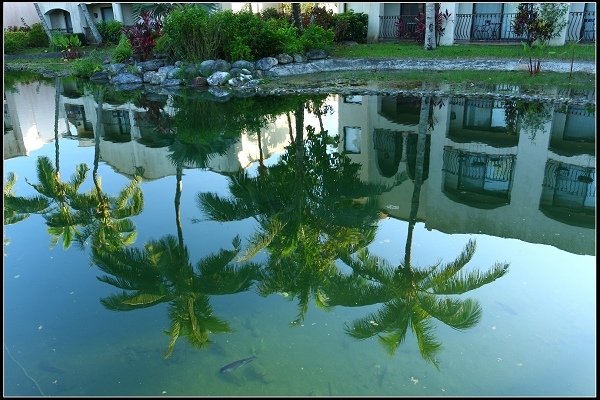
{"type": "Point", "coordinates": [236, 364]}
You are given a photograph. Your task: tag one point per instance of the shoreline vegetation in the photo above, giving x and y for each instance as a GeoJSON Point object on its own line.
{"type": "Point", "coordinates": [384, 80]}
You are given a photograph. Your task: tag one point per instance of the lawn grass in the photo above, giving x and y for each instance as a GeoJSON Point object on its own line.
{"type": "Point", "coordinates": [403, 50]}
{"type": "Point", "coordinates": [394, 78]}
{"type": "Point", "coordinates": [455, 79]}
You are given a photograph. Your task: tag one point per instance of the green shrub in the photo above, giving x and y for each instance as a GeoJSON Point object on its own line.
{"type": "Point", "coordinates": [317, 37]}
{"type": "Point", "coordinates": [166, 47]}
{"type": "Point", "coordinates": [69, 45]}
{"type": "Point", "coordinates": [351, 26]}
{"type": "Point", "coordinates": [82, 38]}
{"type": "Point", "coordinates": [37, 36]}
{"type": "Point", "coordinates": [86, 67]}
{"type": "Point", "coordinates": [123, 51]}
{"type": "Point", "coordinates": [15, 41]}
{"type": "Point", "coordinates": [187, 28]}
{"type": "Point", "coordinates": [239, 50]}
{"type": "Point", "coordinates": [280, 37]}
{"type": "Point", "coordinates": [246, 29]}
{"type": "Point", "coordinates": [318, 15]}
{"type": "Point", "coordinates": [110, 31]}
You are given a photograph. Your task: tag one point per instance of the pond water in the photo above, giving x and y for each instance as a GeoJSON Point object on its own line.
{"type": "Point", "coordinates": [353, 245]}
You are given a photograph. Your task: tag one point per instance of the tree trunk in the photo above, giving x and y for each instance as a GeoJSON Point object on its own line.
{"type": "Point", "coordinates": [91, 24]}
{"type": "Point", "coordinates": [429, 26]}
{"type": "Point", "coordinates": [297, 17]}
{"type": "Point", "coordinates": [424, 119]}
{"type": "Point", "coordinates": [43, 21]}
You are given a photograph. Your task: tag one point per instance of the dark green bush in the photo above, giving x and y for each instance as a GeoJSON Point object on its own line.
{"type": "Point", "coordinates": [37, 36]}
{"type": "Point", "coordinates": [317, 15]}
{"type": "Point", "coordinates": [15, 41]}
{"type": "Point", "coordinates": [123, 51]}
{"type": "Point", "coordinates": [193, 37]}
{"type": "Point", "coordinates": [110, 31]}
{"type": "Point", "coordinates": [351, 26]}
{"type": "Point", "coordinates": [279, 36]}
{"type": "Point", "coordinates": [82, 38]}
{"type": "Point", "coordinates": [269, 13]}
{"type": "Point", "coordinates": [86, 67]}
{"type": "Point", "coordinates": [317, 37]}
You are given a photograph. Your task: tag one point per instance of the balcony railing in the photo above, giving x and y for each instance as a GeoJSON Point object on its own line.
{"type": "Point", "coordinates": [485, 27]}
{"type": "Point", "coordinates": [495, 27]}
{"type": "Point", "coordinates": [397, 27]}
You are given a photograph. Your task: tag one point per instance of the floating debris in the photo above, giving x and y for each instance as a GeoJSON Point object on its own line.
{"type": "Point", "coordinates": [414, 380]}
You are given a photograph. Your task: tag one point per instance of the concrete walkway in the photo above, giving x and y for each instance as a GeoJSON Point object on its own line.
{"type": "Point", "coordinates": [357, 64]}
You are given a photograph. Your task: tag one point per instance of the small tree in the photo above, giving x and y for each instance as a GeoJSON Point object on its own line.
{"type": "Point", "coordinates": [538, 23]}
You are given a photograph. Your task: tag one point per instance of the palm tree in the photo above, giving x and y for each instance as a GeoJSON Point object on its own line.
{"type": "Point", "coordinates": [297, 17]}
{"type": "Point", "coordinates": [92, 25]}
{"type": "Point", "coordinates": [410, 296]}
{"type": "Point", "coordinates": [108, 218]}
{"type": "Point", "coordinates": [429, 26]}
{"type": "Point", "coordinates": [43, 21]}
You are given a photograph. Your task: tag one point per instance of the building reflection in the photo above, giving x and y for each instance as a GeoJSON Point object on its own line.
{"type": "Point", "coordinates": [531, 178]}
{"type": "Point", "coordinates": [129, 139]}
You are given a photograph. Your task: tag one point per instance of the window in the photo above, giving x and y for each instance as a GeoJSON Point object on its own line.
{"type": "Point", "coordinates": [352, 139]}
{"type": "Point", "coordinates": [353, 99]}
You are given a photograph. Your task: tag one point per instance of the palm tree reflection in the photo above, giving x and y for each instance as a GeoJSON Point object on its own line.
{"type": "Point", "coordinates": [411, 297]}
{"type": "Point", "coordinates": [311, 207]}
{"type": "Point", "coordinates": [162, 272]}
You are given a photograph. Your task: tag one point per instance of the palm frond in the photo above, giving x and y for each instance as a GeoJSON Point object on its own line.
{"type": "Point", "coordinates": [173, 333]}
{"type": "Point", "coordinates": [371, 267]}
{"type": "Point", "coordinates": [450, 269]}
{"type": "Point", "coordinates": [429, 347]}
{"type": "Point", "coordinates": [391, 341]}
{"type": "Point", "coordinates": [115, 302]}
{"type": "Point", "coordinates": [223, 210]}
{"type": "Point", "coordinates": [144, 299]}
{"type": "Point", "coordinates": [263, 238]}
{"type": "Point", "coordinates": [464, 282]}
{"type": "Point", "coordinates": [460, 314]}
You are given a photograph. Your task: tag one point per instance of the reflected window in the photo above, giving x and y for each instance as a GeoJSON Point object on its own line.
{"type": "Point", "coordinates": [8, 126]}
{"type": "Point", "coordinates": [580, 125]}
{"type": "Point", "coordinates": [352, 139]}
{"type": "Point", "coordinates": [117, 127]}
{"type": "Point", "coordinates": [76, 117]}
{"type": "Point", "coordinates": [353, 99]}
{"type": "Point", "coordinates": [400, 109]}
{"type": "Point", "coordinates": [484, 115]}
{"type": "Point", "coordinates": [388, 150]}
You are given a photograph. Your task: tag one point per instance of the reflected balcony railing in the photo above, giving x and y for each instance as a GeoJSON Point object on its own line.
{"type": "Point", "coordinates": [571, 184]}
{"type": "Point", "coordinates": [478, 179]}
{"type": "Point", "coordinates": [569, 194]}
